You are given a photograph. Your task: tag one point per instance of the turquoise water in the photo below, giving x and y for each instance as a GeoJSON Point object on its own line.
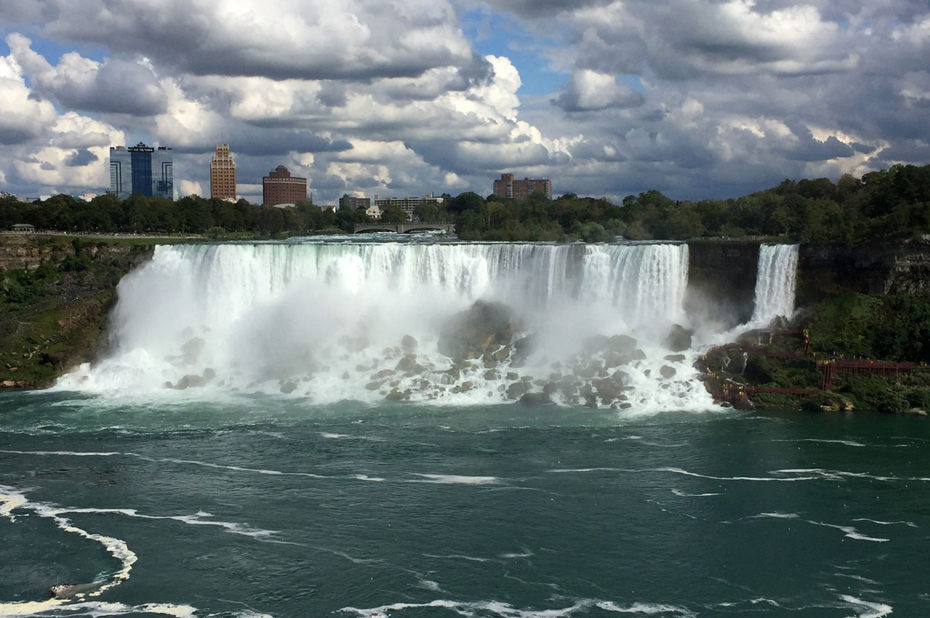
{"type": "Point", "coordinates": [269, 507]}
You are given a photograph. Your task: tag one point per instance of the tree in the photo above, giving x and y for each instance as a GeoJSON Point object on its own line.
{"type": "Point", "coordinates": [393, 214]}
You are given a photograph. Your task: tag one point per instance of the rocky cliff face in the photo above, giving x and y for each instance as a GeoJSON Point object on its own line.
{"type": "Point", "coordinates": [27, 252]}
{"type": "Point", "coordinates": [900, 267]}
{"type": "Point", "coordinates": [55, 296]}
{"type": "Point", "coordinates": [722, 279]}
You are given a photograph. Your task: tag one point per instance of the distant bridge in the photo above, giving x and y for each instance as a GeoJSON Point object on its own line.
{"type": "Point", "coordinates": [404, 228]}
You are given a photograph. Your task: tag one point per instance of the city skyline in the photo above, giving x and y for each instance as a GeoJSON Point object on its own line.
{"type": "Point", "coordinates": [715, 98]}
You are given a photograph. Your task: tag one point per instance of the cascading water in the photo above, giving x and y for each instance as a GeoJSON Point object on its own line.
{"type": "Point", "coordinates": [365, 321]}
{"type": "Point", "coordinates": [775, 283]}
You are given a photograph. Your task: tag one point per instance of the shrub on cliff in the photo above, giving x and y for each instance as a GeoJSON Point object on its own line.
{"type": "Point", "coordinates": [873, 392]}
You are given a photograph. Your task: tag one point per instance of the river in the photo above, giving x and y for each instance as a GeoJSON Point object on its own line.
{"type": "Point", "coordinates": [270, 507]}
{"type": "Point", "coordinates": [316, 429]}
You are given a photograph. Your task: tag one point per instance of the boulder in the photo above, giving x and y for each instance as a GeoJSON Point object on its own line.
{"type": "Point", "coordinates": [535, 399]}
{"type": "Point", "coordinates": [408, 344]}
{"type": "Point", "coordinates": [409, 365]}
{"type": "Point", "coordinates": [469, 334]}
{"type": "Point", "coordinates": [517, 390]}
{"type": "Point", "coordinates": [678, 339]}
{"type": "Point", "coordinates": [621, 344]}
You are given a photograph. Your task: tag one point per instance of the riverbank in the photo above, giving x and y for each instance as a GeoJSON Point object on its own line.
{"type": "Point", "coordinates": [55, 296]}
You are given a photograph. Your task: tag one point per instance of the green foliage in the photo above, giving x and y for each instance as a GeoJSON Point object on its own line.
{"type": "Point", "coordinates": [844, 325]}
{"type": "Point", "coordinates": [873, 392]}
{"type": "Point", "coordinates": [902, 329]}
{"type": "Point", "coordinates": [882, 205]}
{"type": "Point", "coordinates": [775, 401]}
{"type": "Point", "coordinates": [919, 398]}
{"type": "Point", "coordinates": [857, 325]}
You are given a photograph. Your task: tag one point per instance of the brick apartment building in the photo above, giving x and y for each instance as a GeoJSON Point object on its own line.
{"type": "Point", "coordinates": [507, 187]}
{"type": "Point", "coordinates": [279, 187]}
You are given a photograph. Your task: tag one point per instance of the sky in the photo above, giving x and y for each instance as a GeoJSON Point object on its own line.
{"type": "Point", "coordinates": [607, 98]}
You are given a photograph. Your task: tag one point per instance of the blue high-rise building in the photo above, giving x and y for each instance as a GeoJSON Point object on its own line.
{"type": "Point", "coordinates": [141, 169]}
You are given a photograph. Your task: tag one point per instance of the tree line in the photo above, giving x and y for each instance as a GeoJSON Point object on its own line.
{"type": "Point", "coordinates": [887, 204]}
{"type": "Point", "coordinates": [140, 214]}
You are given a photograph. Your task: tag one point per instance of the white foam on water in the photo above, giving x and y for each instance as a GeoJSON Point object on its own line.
{"type": "Point", "coordinates": [12, 499]}
{"type": "Point", "coordinates": [867, 609]}
{"type": "Point", "coordinates": [458, 479]}
{"type": "Point", "coordinates": [849, 532]}
{"type": "Point", "coordinates": [506, 610]}
{"type": "Point", "coordinates": [682, 494]}
{"type": "Point", "coordinates": [59, 607]}
{"type": "Point", "coordinates": [909, 524]}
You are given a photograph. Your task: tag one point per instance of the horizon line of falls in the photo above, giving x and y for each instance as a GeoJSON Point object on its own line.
{"type": "Point", "coordinates": [596, 325]}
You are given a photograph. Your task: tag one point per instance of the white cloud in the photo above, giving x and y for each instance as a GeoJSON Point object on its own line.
{"type": "Point", "coordinates": [711, 97]}
{"type": "Point", "coordinates": [590, 90]}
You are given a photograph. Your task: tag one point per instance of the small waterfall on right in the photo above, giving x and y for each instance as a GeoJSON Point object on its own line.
{"type": "Point", "coordinates": [774, 283]}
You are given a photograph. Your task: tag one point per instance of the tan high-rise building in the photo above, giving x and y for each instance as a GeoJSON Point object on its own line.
{"type": "Point", "coordinates": [223, 174]}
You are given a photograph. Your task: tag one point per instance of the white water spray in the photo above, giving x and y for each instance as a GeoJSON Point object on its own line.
{"type": "Point", "coordinates": [334, 321]}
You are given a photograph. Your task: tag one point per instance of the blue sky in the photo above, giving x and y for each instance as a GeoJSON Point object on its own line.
{"type": "Point", "coordinates": [710, 98]}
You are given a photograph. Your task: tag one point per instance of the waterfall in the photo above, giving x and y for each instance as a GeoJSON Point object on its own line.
{"type": "Point", "coordinates": [775, 283]}
{"type": "Point", "coordinates": [361, 320]}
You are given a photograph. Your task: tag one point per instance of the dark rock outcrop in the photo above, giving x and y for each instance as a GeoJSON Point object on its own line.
{"type": "Point", "coordinates": [486, 326]}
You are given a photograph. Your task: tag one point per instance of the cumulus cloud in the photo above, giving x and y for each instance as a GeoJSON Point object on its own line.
{"type": "Point", "coordinates": [697, 99]}
{"type": "Point", "coordinates": [328, 39]}
{"type": "Point", "coordinates": [117, 85]}
{"type": "Point", "coordinates": [590, 90]}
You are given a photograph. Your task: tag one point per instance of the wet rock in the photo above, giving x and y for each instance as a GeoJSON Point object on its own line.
{"type": "Point", "coordinates": [678, 339]}
{"type": "Point", "coordinates": [568, 386]}
{"type": "Point", "coordinates": [513, 375]}
{"type": "Point", "coordinates": [194, 381]}
{"type": "Point", "coordinates": [383, 374]}
{"type": "Point", "coordinates": [191, 349]}
{"type": "Point", "coordinates": [408, 344]}
{"type": "Point", "coordinates": [535, 399]}
{"type": "Point", "coordinates": [517, 390]}
{"type": "Point", "coordinates": [409, 365]}
{"type": "Point", "coordinates": [502, 354]}
{"type": "Point", "coordinates": [471, 333]}
{"type": "Point", "coordinates": [667, 372]}
{"type": "Point", "coordinates": [637, 355]}
{"type": "Point", "coordinates": [590, 370]}
{"type": "Point", "coordinates": [616, 359]}
{"type": "Point", "coordinates": [596, 344]}
{"type": "Point", "coordinates": [464, 387]}
{"type": "Point", "coordinates": [288, 387]}
{"type": "Point", "coordinates": [490, 374]}
{"type": "Point", "coordinates": [675, 358]}
{"type": "Point", "coordinates": [396, 395]}
{"type": "Point", "coordinates": [621, 344]}
{"type": "Point", "coordinates": [523, 347]}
